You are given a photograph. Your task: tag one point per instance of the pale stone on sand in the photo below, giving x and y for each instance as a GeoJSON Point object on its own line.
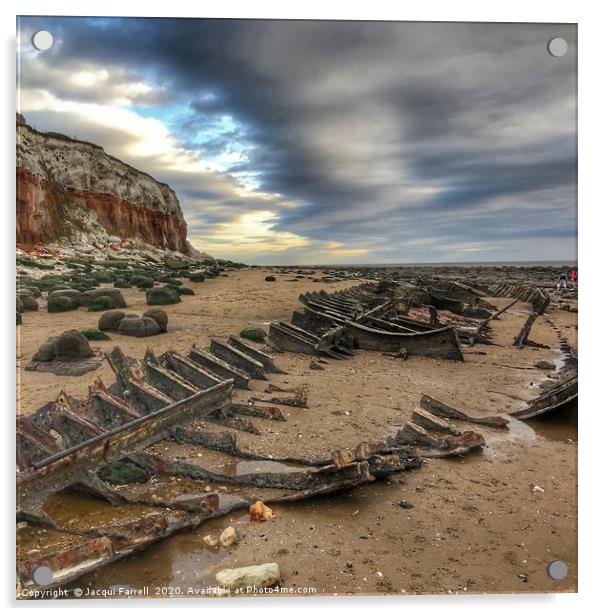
{"type": "Point", "coordinates": [258, 576]}
{"type": "Point", "coordinates": [228, 537]}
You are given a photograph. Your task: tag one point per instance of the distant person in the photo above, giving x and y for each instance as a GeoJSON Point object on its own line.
{"type": "Point", "coordinates": [561, 282]}
{"type": "Point", "coordinates": [574, 279]}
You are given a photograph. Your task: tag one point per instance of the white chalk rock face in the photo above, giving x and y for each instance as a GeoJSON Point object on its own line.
{"type": "Point", "coordinates": [257, 576]}
{"type": "Point", "coordinates": [72, 189]}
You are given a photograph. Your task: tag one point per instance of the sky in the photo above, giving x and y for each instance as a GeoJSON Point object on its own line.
{"type": "Point", "coordinates": [316, 142]}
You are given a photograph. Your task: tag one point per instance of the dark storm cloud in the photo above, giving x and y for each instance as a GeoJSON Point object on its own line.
{"type": "Point", "coordinates": [383, 132]}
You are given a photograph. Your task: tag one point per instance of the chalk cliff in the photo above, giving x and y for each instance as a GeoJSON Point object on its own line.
{"type": "Point", "coordinates": [73, 191]}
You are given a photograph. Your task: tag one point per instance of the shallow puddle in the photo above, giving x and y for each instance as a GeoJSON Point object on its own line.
{"type": "Point", "coordinates": [517, 431]}
{"type": "Point", "coordinates": [167, 568]}
{"type": "Point", "coordinates": [559, 426]}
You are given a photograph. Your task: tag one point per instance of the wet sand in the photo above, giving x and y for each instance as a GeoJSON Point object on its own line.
{"type": "Point", "coordinates": [476, 524]}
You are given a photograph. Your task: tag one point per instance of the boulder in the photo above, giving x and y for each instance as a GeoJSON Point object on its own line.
{"type": "Point", "coordinates": [62, 303]}
{"type": "Point", "coordinates": [46, 351]}
{"type": "Point", "coordinates": [197, 276]}
{"type": "Point", "coordinates": [140, 327]}
{"type": "Point", "coordinates": [62, 300]}
{"type": "Point", "coordinates": [185, 291]}
{"type": "Point", "coordinates": [94, 334]}
{"type": "Point", "coordinates": [253, 333]}
{"type": "Point", "coordinates": [142, 282]}
{"type": "Point", "coordinates": [167, 279]}
{"type": "Point", "coordinates": [72, 345]}
{"type": "Point", "coordinates": [542, 364]}
{"type": "Point", "coordinates": [24, 291]}
{"type": "Point", "coordinates": [73, 294]}
{"type": "Point", "coordinates": [228, 537]}
{"type": "Point", "coordinates": [270, 278]}
{"type": "Point", "coordinates": [115, 294]}
{"type": "Point", "coordinates": [109, 321]}
{"type": "Point", "coordinates": [255, 576]}
{"type": "Point", "coordinates": [158, 315]}
{"type": "Point", "coordinates": [159, 296]}
{"type": "Point", "coordinates": [102, 303]}
{"type": "Point", "coordinates": [35, 291]}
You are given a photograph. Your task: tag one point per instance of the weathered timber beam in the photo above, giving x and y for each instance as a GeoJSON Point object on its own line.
{"type": "Point", "coordinates": [220, 367]}
{"type": "Point", "coordinates": [237, 358]}
{"type": "Point", "coordinates": [190, 370]}
{"type": "Point", "coordinates": [76, 464]}
{"type": "Point", "coordinates": [326, 476]}
{"type": "Point", "coordinates": [448, 412]}
{"type": "Point", "coordinates": [266, 360]}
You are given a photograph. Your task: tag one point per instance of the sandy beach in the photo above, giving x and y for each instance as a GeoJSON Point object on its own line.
{"type": "Point", "coordinates": [475, 525]}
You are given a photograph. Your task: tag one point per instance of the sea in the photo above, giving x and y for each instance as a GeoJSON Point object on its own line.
{"type": "Point", "coordinates": [568, 263]}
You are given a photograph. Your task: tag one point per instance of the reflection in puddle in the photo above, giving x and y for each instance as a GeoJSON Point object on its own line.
{"type": "Point", "coordinates": [517, 432]}
{"type": "Point", "coordinates": [181, 561]}
{"type": "Point", "coordinates": [558, 426]}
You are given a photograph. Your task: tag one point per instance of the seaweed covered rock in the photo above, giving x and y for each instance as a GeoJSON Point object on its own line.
{"type": "Point", "coordinates": [32, 289]}
{"type": "Point", "coordinates": [72, 294]}
{"type": "Point", "coordinates": [160, 296]}
{"type": "Point", "coordinates": [270, 278]}
{"type": "Point", "coordinates": [142, 282]}
{"type": "Point", "coordinates": [94, 334]}
{"type": "Point", "coordinates": [124, 472]}
{"type": "Point", "coordinates": [101, 303]}
{"type": "Point", "coordinates": [103, 276]}
{"type": "Point", "coordinates": [140, 327]}
{"type": "Point", "coordinates": [115, 294]}
{"type": "Point", "coordinates": [110, 320]}
{"type": "Point", "coordinates": [62, 303]}
{"type": "Point", "coordinates": [174, 282]}
{"type": "Point", "coordinates": [122, 283]}
{"type": "Point", "coordinates": [158, 315]}
{"type": "Point", "coordinates": [185, 291]}
{"type": "Point", "coordinates": [72, 345]}
{"type": "Point", "coordinates": [253, 333]}
{"type": "Point", "coordinates": [28, 303]}
{"type": "Point", "coordinates": [175, 263]}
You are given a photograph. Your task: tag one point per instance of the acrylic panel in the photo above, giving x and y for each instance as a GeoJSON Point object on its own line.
{"type": "Point", "coordinates": [296, 308]}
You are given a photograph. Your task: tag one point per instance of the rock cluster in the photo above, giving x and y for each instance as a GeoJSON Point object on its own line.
{"type": "Point", "coordinates": [152, 322]}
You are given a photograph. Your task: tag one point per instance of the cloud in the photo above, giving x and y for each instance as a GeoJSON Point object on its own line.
{"type": "Point", "coordinates": [398, 141]}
